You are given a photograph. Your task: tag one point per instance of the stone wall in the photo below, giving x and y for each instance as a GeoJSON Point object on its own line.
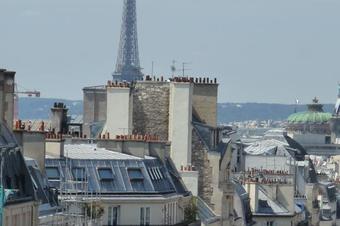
{"type": "Point", "coordinates": [205, 102]}
{"type": "Point", "coordinates": [94, 107]}
{"type": "Point", "coordinates": [151, 108]}
{"type": "Point", "coordinates": [201, 163]}
{"type": "Point", "coordinates": [7, 97]}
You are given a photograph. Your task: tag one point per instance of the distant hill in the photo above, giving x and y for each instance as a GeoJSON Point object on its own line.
{"type": "Point", "coordinates": [230, 112]}
{"type": "Point", "coordinates": [39, 108]}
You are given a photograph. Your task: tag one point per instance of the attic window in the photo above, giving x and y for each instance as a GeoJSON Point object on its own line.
{"type": "Point", "coordinates": [135, 174]}
{"type": "Point", "coordinates": [79, 173]}
{"type": "Point", "coordinates": [136, 179]}
{"type": "Point", "coordinates": [53, 173]}
{"type": "Point", "coordinates": [105, 174]}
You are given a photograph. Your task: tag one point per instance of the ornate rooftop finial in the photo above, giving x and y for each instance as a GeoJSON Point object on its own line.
{"type": "Point", "coordinates": [315, 100]}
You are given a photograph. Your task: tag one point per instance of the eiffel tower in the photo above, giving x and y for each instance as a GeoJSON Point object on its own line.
{"type": "Point", "coordinates": [127, 65]}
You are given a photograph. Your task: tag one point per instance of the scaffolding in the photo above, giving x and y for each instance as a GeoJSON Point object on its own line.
{"type": "Point", "coordinates": [78, 204]}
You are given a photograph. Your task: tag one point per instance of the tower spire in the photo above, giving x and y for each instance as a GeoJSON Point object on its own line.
{"type": "Point", "coordinates": [127, 65]}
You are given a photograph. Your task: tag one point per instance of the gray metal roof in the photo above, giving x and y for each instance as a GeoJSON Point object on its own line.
{"type": "Point", "coordinates": [47, 197]}
{"type": "Point", "coordinates": [267, 147]}
{"type": "Point", "coordinates": [16, 179]}
{"type": "Point", "coordinates": [117, 174]}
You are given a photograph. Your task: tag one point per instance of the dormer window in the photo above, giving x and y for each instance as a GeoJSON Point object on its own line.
{"type": "Point", "coordinates": [135, 174]}
{"type": "Point", "coordinates": [53, 173]}
{"type": "Point", "coordinates": [105, 174]}
{"type": "Point", "coordinates": [136, 179]}
{"type": "Point", "coordinates": [79, 173]}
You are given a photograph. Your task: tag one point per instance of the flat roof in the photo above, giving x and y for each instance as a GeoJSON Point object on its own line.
{"type": "Point", "coordinates": [91, 151]}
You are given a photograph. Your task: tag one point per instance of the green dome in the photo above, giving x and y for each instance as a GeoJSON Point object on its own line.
{"type": "Point", "coordinates": [309, 117]}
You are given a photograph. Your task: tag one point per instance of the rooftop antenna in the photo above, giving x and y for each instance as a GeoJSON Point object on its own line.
{"type": "Point", "coordinates": [173, 68]}
{"type": "Point", "coordinates": [184, 64]}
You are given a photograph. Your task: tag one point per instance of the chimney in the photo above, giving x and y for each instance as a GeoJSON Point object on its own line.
{"type": "Point", "coordinates": [253, 191]}
{"type": "Point", "coordinates": [7, 97]}
{"type": "Point", "coordinates": [55, 146]}
{"type": "Point", "coordinates": [59, 118]}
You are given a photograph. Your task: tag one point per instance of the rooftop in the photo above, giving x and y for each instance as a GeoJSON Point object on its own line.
{"type": "Point", "coordinates": [91, 151]}
{"type": "Point", "coordinates": [315, 114]}
{"type": "Point", "coordinates": [267, 147]}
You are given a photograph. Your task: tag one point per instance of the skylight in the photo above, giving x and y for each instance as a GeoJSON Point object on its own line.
{"type": "Point", "coordinates": [79, 173]}
{"type": "Point", "coordinates": [135, 174]}
{"type": "Point", "coordinates": [53, 173]}
{"type": "Point", "coordinates": [105, 173]}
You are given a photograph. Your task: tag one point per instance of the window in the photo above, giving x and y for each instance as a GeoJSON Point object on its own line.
{"type": "Point", "coordinates": [270, 223]}
{"type": "Point", "coordinates": [113, 214]}
{"type": "Point", "coordinates": [135, 174]}
{"type": "Point", "coordinates": [136, 179]}
{"type": "Point", "coordinates": [105, 173]}
{"type": "Point", "coordinates": [53, 173]}
{"type": "Point", "coordinates": [145, 216]}
{"type": "Point", "coordinates": [79, 174]}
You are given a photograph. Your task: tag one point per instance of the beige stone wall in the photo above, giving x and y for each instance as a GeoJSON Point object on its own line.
{"type": "Point", "coordinates": [7, 97]}
{"type": "Point", "coordinates": [32, 146]}
{"type": "Point", "coordinates": [55, 147]}
{"type": "Point", "coordinates": [205, 102]}
{"type": "Point", "coordinates": [151, 108]}
{"type": "Point", "coordinates": [23, 214]}
{"type": "Point", "coordinates": [94, 107]}
{"type": "Point", "coordinates": [200, 161]}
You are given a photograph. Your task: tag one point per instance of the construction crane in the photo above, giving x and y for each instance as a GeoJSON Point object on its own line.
{"type": "Point", "coordinates": [17, 92]}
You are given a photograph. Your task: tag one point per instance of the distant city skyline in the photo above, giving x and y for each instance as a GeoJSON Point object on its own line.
{"type": "Point", "coordinates": [260, 51]}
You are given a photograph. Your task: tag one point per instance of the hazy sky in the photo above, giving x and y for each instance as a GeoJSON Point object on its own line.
{"type": "Point", "coordinates": [260, 50]}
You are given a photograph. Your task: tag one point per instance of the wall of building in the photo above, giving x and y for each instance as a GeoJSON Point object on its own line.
{"type": "Point", "coordinates": [267, 162]}
{"type": "Point", "coordinates": [94, 107]}
{"type": "Point", "coordinates": [55, 147]}
{"type": "Point", "coordinates": [163, 210]}
{"type": "Point", "coordinates": [22, 214]}
{"type": "Point", "coordinates": [190, 179]}
{"type": "Point", "coordinates": [217, 193]}
{"type": "Point", "coordinates": [200, 162]}
{"type": "Point", "coordinates": [7, 97]}
{"type": "Point", "coordinates": [204, 102]}
{"type": "Point", "coordinates": [309, 138]}
{"type": "Point", "coordinates": [119, 111]}
{"type": "Point", "coordinates": [151, 108]}
{"type": "Point", "coordinates": [278, 221]}
{"type": "Point", "coordinates": [33, 146]}
{"type": "Point", "coordinates": [180, 117]}
{"type": "Point", "coordinates": [137, 148]}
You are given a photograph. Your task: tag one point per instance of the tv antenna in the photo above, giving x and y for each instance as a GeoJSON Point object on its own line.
{"type": "Point", "coordinates": [183, 70]}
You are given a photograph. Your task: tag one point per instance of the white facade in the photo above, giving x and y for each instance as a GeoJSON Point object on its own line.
{"type": "Point", "coordinates": [310, 138]}
{"type": "Point", "coordinates": [190, 179]}
{"type": "Point", "coordinates": [142, 210]}
{"type": "Point", "coordinates": [180, 117]}
{"type": "Point", "coordinates": [119, 112]}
